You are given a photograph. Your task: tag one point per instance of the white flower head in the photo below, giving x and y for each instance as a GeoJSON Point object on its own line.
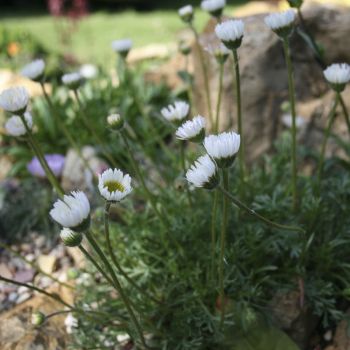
{"type": "Point", "coordinates": [122, 46]}
{"type": "Point", "coordinates": [192, 130]}
{"type": "Point", "coordinates": [72, 80]}
{"type": "Point", "coordinates": [214, 7]}
{"type": "Point", "coordinates": [70, 238]}
{"type": "Point", "coordinates": [73, 211]}
{"type": "Point", "coordinates": [203, 173]}
{"type": "Point", "coordinates": [230, 33]}
{"type": "Point", "coordinates": [34, 70]}
{"type": "Point", "coordinates": [114, 185]}
{"type": "Point", "coordinates": [15, 127]}
{"type": "Point", "coordinates": [186, 13]}
{"type": "Point", "coordinates": [176, 112]}
{"type": "Point", "coordinates": [223, 147]}
{"type": "Point", "coordinates": [115, 121]}
{"type": "Point", "coordinates": [88, 71]}
{"type": "Point", "coordinates": [281, 22]}
{"type": "Point", "coordinates": [14, 100]}
{"type": "Point", "coordinates": [338, 75]}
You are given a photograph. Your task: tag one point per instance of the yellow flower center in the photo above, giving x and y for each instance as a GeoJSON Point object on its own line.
{"type": "Point", "coordinates": [113, 186]}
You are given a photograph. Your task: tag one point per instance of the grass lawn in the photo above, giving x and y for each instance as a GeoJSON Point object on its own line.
{"type": "Point", "coordinates": [92, 36]}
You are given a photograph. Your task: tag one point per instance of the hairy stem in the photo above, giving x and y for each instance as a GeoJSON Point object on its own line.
{"type": "Point", "coordinates": [183, 165]}
{"type": "Point", "coordinates": [242, 169]}
{"type": "Point", "coordinates": [291, 89]}
{"type": "Point", "coordinates": [253, 213]}
{"type": "Point", "coordinates": [222, 248]}
{"type": "Point", "coordinates": [218, 103]}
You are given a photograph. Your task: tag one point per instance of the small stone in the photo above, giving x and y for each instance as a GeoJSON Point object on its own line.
{"type": "Point", "coordinates": [12, 297]}
{"type": "Point", "coordinates": [30, 257]}
{"type": "Point", "coordinates": [5, 271]}
{"type": "Point", "coordinates": [47, 263]}
{"type": "Point", "coordinates": [328, 335]}
{"type": "Point", "coordinates": [24, 276]}
{"type": "Point", "coordinates": [45, 282]}
{"type": "Point", "coordinates": [40, 241]}
{"type": "Point", "coordinates": [22, 290]}
{"type": "Point", "coordinates": [23, 297]}
{"type": "Point", "coordinates": [18, 263]}
{"type": "Point", "coordinates": [26, 247]}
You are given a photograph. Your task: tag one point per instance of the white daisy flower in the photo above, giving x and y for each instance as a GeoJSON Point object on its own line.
{"type": "Point", "coordinates": [73, 211]}
{"type": "Point", "coordinates": [223, 147]}
{"type": "Point", "coordinates": [14, 100]}
{"type": "Point", "coordinates": [230, 33]}
{"type": "Point", "coordinates": [122, 46]}
{"type": "Point", "coordinates": [192, 130]}
{"type": "Point", "coordinates": [203, 173]}
{"type": "Point", "coordinates": [114, 185]}
{"type": "Point", "coordinates": [15, 127]}
{"type": "Point", "coordinates": [338, 75]}
{"type": "Point", "coordinates": [70, 238]}
{"type": "Point", "coordinates": [281, 22]}
{"type": "Point", "coordinates": [88, 71]}
{"type": "Point", "coordinates": [186, 13]}
{"type": "Point", "coordinates": [214, 7]}
{"type": "Point", "coordinates": [115, 121]}
{"type": "Point", "coordinates": [34, 70]}
{"type": "Point", "coordinates": [176, 112]}
{"type": "Point", "coordinates": [72, 80]}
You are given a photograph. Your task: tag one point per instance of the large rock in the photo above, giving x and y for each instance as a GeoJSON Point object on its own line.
{"type": "Point", "coordinates": [264, 77]}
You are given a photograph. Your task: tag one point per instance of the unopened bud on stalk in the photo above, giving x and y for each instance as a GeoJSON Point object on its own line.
{"type": "Point", "coordinates": [115, 121]}
{"type": "Point", "coordinates": [184, 48]}
{"type": "Point", "coordinates": [71, 238]}
{"type": "Point", "coordinates": [214, 7]}
{"type": "Point", "coordinates": [72, 80]}
{"type": "Point", "coordinates": [295, 3]}
{"type": "Point", "coordinates": [230, 33]}
{"type": "Point", "coordinates": [38, 318]}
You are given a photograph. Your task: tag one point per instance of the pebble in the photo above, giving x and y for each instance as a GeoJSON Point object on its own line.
{"type": "Point", "coordinates": [328, 335]}
{"type": "Point", "coordinates": [22, 290]}
{"type": "Point", "coordinates": [23, 297]}
{"type": "Point", "coordinates": [12, 297]}
{"type": "Point", "coordinates": [5, 271]}
{"type": "Point", "coordinates": [30, 257]}
{"type": "Point", "coordinates": [24, 276]}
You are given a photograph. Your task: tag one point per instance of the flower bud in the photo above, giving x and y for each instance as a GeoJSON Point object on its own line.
{"type": "Point", "coordinates": [71, 238]}
{"type": "Point", "coordinates": [38, 318]}
{"type": "Point", "coordinates": [115, 121]}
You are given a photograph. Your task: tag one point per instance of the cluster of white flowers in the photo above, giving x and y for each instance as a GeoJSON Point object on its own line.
{"type": "Point", "coordinates": [73, 211]}
{"type": "Point", "coordinates": [14, 100]}
{"type": "Point", "coordinates": [34, 70]}
{"type": "Point", "coordinates": [122, 46]}
{"type": "Point", "coordinates": [192, 130]}
{"type": "Point", "coordinates": [15, 126]}
{"type": "Point", "coordinates": [114, 185]}
{"type": "Point", "coordinates": [214, 7]}
{"type": "Point", "coordinates": [230, 33]}
{"type": "Point", "coordinates": [176, 112]}
{"type": "Point", "coordinates": [338, 75]}
{"type": "Point", "coordinates": [281, 22]}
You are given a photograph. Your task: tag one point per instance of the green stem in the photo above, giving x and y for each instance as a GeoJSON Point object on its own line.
{"type": "Point", "coordinates": [147, 192]}
{"type": "Point", "coordinates": [252, 212]}
{"type": "Point", "coordinates": [114, 258]}
{"type": "Point", "coordinates": [95, 263]}
{"type": "Point", "coordinates": [183, 165]}
{"type": "Point", "coordinates": [345, 111]}
{"type": "Point", "coordinates": [291, 89]}
{"type": "Point", "coordinates": [36, 149]}
{"type": "Point", "coordinates": [239, 115]}
{"type": "Point", "coordinates": [117, 285]}
{"type": "Point", "coordinates": [64, 129]}
{"type": "Point", "coordinates": [35, 266]}
{"type": "Point", "coordinates": [205, 73]}
{"type": "Point", "coordinates": [92, 130]}
{"type": "Point", "coordinates": [326, 134]}
{"type": "Point", "coordinates": [218, 104]}
{"type": "Point", "coordinates": [222, 248]}
{"type": "Point", "coordinates": [213, 233]}
{"type": "Point", "coordinates": [55, 297]}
